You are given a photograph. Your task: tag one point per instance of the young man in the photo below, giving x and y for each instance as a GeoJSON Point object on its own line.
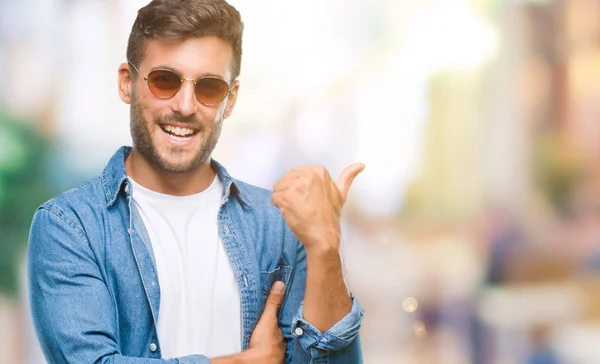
{"type": "Point", "coordinates": [165, 257]}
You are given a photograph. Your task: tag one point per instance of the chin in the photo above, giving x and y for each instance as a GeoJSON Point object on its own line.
{"type": "Point", "coordinates": [179, 165]}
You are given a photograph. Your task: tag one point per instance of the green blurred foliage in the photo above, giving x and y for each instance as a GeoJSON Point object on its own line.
{"type": "Point", "coordinates": [24, 157]}
{"type": "Point", "coordinates": [558, 169]}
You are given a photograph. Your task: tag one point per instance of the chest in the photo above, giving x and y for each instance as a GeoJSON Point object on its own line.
{"type": "Point", "coordinates": [254, 246]}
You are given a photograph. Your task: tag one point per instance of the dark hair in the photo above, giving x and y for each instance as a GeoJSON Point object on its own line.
{"type": "Point", "coordinates": [183, 19]}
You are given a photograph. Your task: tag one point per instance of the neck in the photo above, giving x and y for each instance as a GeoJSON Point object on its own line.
{"type": "Point", "coordinates": [175, 184]}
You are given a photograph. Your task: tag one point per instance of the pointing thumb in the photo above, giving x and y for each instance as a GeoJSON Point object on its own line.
{"type": "Point", "coordinates": [346, 178]}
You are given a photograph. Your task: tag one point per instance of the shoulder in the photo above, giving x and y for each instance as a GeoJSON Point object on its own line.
{"type": "Point", "coordinates": [78, 202]}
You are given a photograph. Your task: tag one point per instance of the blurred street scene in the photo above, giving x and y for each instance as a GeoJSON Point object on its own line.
{"type": "Point", "coordinates": [472, 236]}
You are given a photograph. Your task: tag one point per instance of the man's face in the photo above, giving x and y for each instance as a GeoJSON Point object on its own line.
{"type": "Point", "coordinates": [177, 135]}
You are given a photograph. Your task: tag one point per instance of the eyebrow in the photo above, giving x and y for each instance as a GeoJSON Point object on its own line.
{"type": "Point", "coordinates": [168, 68]}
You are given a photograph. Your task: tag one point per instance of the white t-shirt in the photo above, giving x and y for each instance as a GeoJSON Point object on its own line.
{"type": "Point", "coordinates": [200, 307]}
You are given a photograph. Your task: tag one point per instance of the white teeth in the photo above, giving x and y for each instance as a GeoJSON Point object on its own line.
{"type": "Point", "coordinates": [179, 139]}
{"type": "Point", "coordinates": [181, 132]}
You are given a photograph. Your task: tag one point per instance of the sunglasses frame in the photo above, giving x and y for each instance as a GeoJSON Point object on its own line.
{"type": "Point", "coordinates": [229, 89]}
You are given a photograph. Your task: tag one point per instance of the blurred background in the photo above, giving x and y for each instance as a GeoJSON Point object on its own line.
{"type": "Point", "coordinates": [473, 235]}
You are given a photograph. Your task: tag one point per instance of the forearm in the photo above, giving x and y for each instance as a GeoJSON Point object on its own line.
{"type": "Point", "coordinates": [326, 299]}
{"type": "Point", "coordinates": [323, 320]}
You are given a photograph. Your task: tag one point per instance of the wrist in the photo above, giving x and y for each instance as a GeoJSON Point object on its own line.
{"type": "Point", "coordinates": [326, 251]}
{"type": "Point", "coordinates": [323, 243]}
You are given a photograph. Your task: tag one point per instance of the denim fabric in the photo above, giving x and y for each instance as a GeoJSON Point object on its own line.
{"type": "Point", "coordinates": [94, 286]}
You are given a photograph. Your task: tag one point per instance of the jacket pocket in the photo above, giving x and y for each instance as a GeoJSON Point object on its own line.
{"type": "Point", "coordinates": [267, 278]}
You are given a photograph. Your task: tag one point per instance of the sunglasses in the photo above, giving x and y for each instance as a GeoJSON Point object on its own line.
{"type": "Point", "coordinates": [165, 84]}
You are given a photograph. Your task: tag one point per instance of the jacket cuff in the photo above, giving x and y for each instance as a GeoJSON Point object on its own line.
{"type": "Point", "coordinates": [338, 337]}
{"type": "Point", "coordinates": [193, 359]}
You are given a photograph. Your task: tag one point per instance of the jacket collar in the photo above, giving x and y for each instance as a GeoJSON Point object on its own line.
{"type": "Point", "coordinates": [114, 179]}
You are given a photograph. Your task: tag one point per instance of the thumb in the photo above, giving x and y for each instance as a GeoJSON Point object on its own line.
{"type": "Point", "coordinates": [346, 178]}
{"type": "Point", "coordinates": [274, 298]}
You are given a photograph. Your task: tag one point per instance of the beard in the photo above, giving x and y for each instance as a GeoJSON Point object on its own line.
{"type": "Point", "coordinates": [174, 159]}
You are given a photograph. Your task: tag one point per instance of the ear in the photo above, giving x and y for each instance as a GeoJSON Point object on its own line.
{"type": "Point", "coordinates": [231, 99]}
{"type": "Point", "coordinates": [125, 82]}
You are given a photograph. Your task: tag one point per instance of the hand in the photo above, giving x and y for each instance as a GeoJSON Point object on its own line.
{"type": "Point", "coordinates": [266, 343]}
{"type": "Point", "coordinates": [311, 203]}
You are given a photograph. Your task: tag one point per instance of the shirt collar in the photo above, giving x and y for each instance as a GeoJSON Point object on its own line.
{"type": "Point", "coordinates": [114, 179]}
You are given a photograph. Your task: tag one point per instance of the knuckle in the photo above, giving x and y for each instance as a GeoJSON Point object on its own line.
{"type": "Point", "coordinates": [299, 188]}
{"type": "Point", "coordinates": [286, 197]}
{"type": "Point", "coordinates": [307, 178]}
{"type": "Point", "coordinates": [274, 300]}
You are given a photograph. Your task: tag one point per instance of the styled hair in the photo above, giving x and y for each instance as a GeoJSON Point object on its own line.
{"type": "Point", "coordinates": [184, 19]}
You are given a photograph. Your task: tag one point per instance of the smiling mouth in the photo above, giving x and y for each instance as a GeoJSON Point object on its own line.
{"type": "Point", "coordinates": [179, 134]}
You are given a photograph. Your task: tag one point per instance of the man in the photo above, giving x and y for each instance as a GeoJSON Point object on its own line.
{"type": "Point", "coordinates": [165, 257]}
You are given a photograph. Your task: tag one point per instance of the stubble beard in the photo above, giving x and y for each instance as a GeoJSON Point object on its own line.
{"type": "Point", "coordinates": [142, 140]}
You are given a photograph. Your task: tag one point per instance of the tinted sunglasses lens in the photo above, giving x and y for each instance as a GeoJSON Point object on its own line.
{"type": "Point", "coordinates": [164, 84]}
{"type": "Point", "coordinates": [211, 91]}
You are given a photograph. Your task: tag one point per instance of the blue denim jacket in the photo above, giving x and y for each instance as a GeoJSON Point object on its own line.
{"type": "Point", "coordinates": [94, 285]}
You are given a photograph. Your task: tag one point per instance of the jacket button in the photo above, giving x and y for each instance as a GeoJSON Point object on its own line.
{"type": "Point", "coordinates": [127, 188]}
{"type": "Point", "coordinates": [153, 347]}
{"type": "Point", "coordinates": [299, 331]}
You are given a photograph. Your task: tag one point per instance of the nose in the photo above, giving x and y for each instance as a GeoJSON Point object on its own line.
{"type": "Point", "coordinates": [184, 102]}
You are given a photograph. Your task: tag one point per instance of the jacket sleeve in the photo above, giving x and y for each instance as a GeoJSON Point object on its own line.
{"type": "Point", "coordinates": [73, 313]}
{"type": "Point", "coordinates": [305, 343]}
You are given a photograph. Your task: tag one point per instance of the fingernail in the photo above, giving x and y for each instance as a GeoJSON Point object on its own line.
{"type": "Point", "coordinates": [361, 167]}
{"type": "Point", "coordinates": [278, 287]}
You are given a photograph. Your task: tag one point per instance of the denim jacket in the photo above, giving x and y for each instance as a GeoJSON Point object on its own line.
{"type": "Point", "coordinates": [94, 286]}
